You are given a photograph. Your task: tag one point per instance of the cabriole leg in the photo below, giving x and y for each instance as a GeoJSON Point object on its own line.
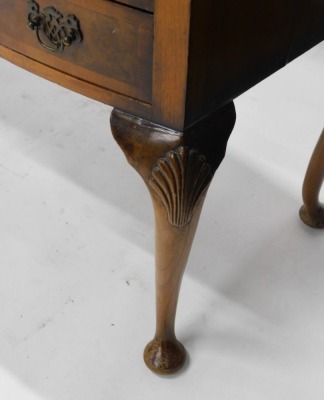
{"type": "Point", "coordinates": [312, 212]}
{"type": "Point", "coordinates": [177, 168]}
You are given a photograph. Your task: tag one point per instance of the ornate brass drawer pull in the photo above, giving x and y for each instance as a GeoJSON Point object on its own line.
{"type": "Point", "coordinates": [53, 31]}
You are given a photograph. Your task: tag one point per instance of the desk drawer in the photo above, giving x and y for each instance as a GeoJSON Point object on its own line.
{"type": "Point", "coordinates": [115, 51]}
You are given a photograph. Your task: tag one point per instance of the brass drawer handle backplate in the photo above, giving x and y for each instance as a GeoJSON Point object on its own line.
{"type": "Point", "coordinates": [53, 31]}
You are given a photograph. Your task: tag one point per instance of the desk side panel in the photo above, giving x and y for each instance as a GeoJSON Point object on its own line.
{"type": "Point", "coordinates": [308, 29]}
{"type": "Point", "coordinates": [234, 45]}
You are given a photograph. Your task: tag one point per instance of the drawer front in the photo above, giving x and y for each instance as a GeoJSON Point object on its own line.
{"type": "Point", "coordinates": [115, 51]}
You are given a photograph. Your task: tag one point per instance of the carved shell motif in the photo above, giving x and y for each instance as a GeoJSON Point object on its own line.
{"type": "Point", "coordinates": [179, 180]}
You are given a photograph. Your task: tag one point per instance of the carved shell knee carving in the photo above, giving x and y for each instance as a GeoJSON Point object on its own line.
{"type": "Point", "coordinates": [179, 179]}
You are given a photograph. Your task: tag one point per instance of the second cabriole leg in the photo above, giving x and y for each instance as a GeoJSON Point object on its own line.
{"type": "Point", "coordinates": [312, 212]}
{"type": "Point", "coordinates": [177, 168]}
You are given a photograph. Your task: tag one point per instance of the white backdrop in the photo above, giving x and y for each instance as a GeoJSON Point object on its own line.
{"type": "Point", "coordinates": [76, 253]}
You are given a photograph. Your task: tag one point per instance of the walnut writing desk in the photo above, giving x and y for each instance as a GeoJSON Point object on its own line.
{"type": "Point", "coordinates": [171, 69]}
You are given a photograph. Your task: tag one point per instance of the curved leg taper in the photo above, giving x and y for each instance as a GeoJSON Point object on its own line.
{"type": "Point", "coordinates": [177, 168]}
{"type": "Point", "coordinates": [312, 212]}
